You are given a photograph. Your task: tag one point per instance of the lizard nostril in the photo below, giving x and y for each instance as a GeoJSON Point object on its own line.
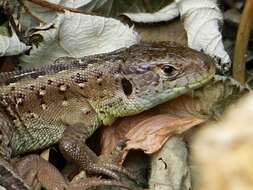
{"type": "Point", "coordinates": [127, 87]}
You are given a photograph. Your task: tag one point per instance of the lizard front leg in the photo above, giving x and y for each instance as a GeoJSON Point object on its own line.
{"type": "Point", "coordinates": [74, 149]}
{"type": "Point", "coordinates": [81, 120]}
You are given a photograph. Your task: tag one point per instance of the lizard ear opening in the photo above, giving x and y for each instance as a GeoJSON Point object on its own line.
{"type": "Point", "coordinates": [127, 87]}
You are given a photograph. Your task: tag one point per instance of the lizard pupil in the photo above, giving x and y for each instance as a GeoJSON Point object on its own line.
{"type": "Point", "coordinates": [127, 87]}
{"type": "Point", "coordinates": [168, 69]}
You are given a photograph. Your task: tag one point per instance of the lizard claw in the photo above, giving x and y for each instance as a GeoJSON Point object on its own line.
{"type": "Point", "coordinates": [112, 168]}
{"type": "Point", "coordinates": [102, 169]}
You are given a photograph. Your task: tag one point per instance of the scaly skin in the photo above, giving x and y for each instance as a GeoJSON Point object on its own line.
{"type": "Point", "coordinates": [66, 102]}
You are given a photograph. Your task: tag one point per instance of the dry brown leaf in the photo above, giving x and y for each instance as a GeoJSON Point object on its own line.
{"type": "Point", "coordinates": [149, 130]}
{"type": "Point", "coordinates": [181, 107]}
{"type": "Point", "coordinates": [150, 134]}
{"type": "Point", "coordinates": [111, 135]}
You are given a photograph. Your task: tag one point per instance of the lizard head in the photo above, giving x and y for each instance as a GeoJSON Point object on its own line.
{"type": "Point", "coordinates": [167, 73]}
{"type": "Point", "coordinates": [159, 80]}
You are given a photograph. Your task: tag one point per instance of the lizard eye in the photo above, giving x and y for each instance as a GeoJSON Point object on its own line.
{"type": "Point", "coordinates": [168, 69]}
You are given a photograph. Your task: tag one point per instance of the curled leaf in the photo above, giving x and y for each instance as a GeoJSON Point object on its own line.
{"type": "Point", "coordinates": [201, 22]}
{"type": "Point", "coordinates": [147, 131]}
{"type": "Point", "coordinates": [78, 35]}
{"type": "Point", "coordinates": [10, 45]}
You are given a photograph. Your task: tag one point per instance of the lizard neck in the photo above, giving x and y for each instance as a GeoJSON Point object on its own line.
{"type": "Point", "coordinates": [109, 111]}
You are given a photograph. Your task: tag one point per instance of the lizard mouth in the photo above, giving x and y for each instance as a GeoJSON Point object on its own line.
{"type": "Point", "coordinates": [198, 82]}
{"type": "Point", "coordinates": [179, 90]}
{"type": "Point", "coordinates": [206, 78]}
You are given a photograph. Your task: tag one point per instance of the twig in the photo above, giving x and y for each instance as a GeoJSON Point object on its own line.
{"type": "Point", "coordinates": [242, 39]}
{"type": "Point", "coordinates": [55, 7]}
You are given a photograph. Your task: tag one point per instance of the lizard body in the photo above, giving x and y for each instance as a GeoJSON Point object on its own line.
{"type": "Point", "coordinates": [66, 102]}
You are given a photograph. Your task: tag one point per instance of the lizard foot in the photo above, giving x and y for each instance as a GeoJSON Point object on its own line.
{"type": "Point", "coordinates": [38, 173]}
{"type": "Point", "coordinates": [80, 154]}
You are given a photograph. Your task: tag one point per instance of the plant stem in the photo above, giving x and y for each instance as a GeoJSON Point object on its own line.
{"type": "Point", "coordinates": [242, 39]}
